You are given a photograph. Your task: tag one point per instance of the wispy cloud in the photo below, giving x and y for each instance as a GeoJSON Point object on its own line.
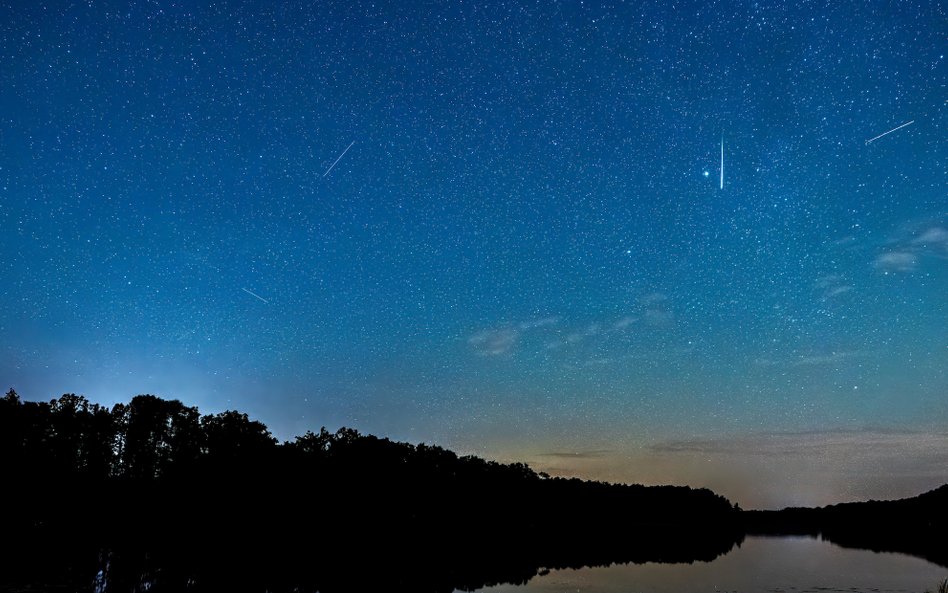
{"type": "Point", "coordinates": [811, 359]}
{"type": "Point", "coordinates": [658, 312]}
{"type": "Point", "coordinates": [558, 337]}
{"type": "Point", "coordinates": [503, 340]}
{"type": "Point", "coordinates": [828, 281]}
{"type": "Point", "coordinates": [575, 337]}
{"type": "Point", "coordinates": [836, 291]}
{"type": "Point", "coordinates": [659, 317]}
{"type": "Point", "coordinates": [593, 454]}
{"type": "Point", "coordinates": [935, 237]}
{"type": "Point", "coordinates": [653, 298]}
{"type": "Point", "coordinates": [847, 242]}
{"type": "Point", "coordinates": [911, 244]}
{"type": "Point", "coordinates": [599, 361]}
{"type": "Point", "coordinates": [794, 443]}
{"type": "Point", "coordinates": [831, 358]}
{"type": "Point", "coordinates": [768, 469]}
{"type": "Point", "coordinates": [832, 285]}
{"type": "Point", "coordinates": [535, 323]}
{"type": "Point", "coordinates": [664, 356]}
{"type": "Point", "coordinates": [895, 261]}
{"type": "Point", "coordinates": [494, 342]}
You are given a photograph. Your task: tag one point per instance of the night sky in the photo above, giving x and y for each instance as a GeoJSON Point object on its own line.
{"type": "Point", "coordinates": [524, 251]}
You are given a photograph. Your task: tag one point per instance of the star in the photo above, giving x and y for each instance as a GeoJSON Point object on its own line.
{"type": "Point", "coordinates": [470, 248]}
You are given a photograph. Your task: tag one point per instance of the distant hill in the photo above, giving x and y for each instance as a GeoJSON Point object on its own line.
{"type": "Point", "coordinates": [917, 525]}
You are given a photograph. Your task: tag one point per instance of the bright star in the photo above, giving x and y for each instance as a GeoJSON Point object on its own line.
{"type": "Point", "coordinates": [706, 173]}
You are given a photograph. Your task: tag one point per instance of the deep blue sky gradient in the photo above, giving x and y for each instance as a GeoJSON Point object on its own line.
{"type": "Point", "coordinates": [525, 253]}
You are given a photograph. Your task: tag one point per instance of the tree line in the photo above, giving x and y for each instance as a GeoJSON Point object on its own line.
{"type": "Point", "coordinates": [155, 481]}
{"type": "Point", "coordinates": [152, 492]}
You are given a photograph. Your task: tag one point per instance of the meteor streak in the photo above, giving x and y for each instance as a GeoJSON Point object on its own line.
{"type": "Point", "coordinates": [722, 162]}
{"type": "Point", "coordinates": [253, 294]}
{"type": "Point", "coordinates": [339, 158]}
{"type": "Point", "coordinates": [908, 123]}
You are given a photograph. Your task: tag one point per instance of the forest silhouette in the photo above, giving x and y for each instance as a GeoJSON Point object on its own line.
{"type": "Point", "coordinates": [153, 492]}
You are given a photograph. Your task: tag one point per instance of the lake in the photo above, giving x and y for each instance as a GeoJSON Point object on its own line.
{"type": "Point", "coordinates": [760, 564]}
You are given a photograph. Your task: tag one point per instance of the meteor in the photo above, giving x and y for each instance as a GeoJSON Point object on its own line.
{"type": "Point", "coordinates": [339, 158]}
{"type": "Point", "coordinates": [722, 161]}
{"type": "Point", "coordinates": [253, 294]}
{"type": "Point", "coordinates": [908, 123]}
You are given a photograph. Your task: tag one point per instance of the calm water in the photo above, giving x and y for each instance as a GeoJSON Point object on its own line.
{"type": "Point", "coordinates": [761, 564]}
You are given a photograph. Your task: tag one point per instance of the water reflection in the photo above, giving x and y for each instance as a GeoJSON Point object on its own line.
{"type": "Point", "coordinates": [761, 564]}
{"type": "Point", "coordinates": [765, 564]}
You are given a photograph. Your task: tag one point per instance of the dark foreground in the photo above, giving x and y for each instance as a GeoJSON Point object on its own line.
{"type": "Point", "coordinates": [153, 496]}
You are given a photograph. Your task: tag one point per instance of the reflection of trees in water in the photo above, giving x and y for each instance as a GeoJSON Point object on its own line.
{"type": "Point", "coordinates": [253, 565]}
{"type": "Point", "coordinates": [914, 526]}
{"type": "Point", "coordinates": [151, 494]}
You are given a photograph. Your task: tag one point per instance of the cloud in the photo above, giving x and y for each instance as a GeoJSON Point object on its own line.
{"type": "Point", "coordinates": [659, 317]}
{"type": "Point", "coordinates": [828, 281]}
{"type": "Point", "coordinates": [837, 290]}
{"type": "Point", "coordinates": [553, 334]}
{"type": "Point", "coordinates": [494, 342]}
{"type": "Point", "coordinates": [593, 454]}
{"type": "Point", "coordinates": [575, 337]}
{"type": "Point", "coordinates": [657, 311]}
{"type": "Point", "coordinates": [811, 359]}
{"type": "Point", "coordinates": [896, 261]}
{"type": "Point", "coordinates": [598, 362]}
{"type": "Point", "coordinates": [832, 285]}
{"type": "Point", "coordinates": [778, 469]}
{"type": "Point", "coordinates": [653, 298]}
{"type": "Point", "coordinates": [533, 324]}
{"type": "Point", "coordinates": [831, 358]}
{"type": "Point", "coordinates": [816, 442]}
{"type": "Point", "coordinates": [912, 243]}
{"type": "Point", "coordinates": [936, 237]}
{"type": "Point", "coordinates": [503, 340]}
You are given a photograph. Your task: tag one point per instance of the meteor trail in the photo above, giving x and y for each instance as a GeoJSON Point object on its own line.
{"type": "Point", "coordinates": [908, 123]}
{"type": "Point", "coordinates": [253, 294]}
{"type": "Point", "coordinates": [339, 158]}
{"type": "Point", "coordinates": [722, 162]}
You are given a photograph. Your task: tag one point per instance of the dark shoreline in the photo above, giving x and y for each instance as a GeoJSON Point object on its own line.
{"type": "Point", "coordinates": [153, 490]}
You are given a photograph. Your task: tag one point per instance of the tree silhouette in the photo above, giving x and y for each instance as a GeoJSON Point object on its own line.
{"type": "Point", "coordinates": [156, 437]}
{"type": "Point", "coordinates": [152, 491]}
{"type": "Point", "coordinates": [232, 436]}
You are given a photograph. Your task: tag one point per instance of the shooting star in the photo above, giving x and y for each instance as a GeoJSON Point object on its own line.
{"type": "Point", "coordinates": [339, 158]}
{"type": "Point", "coordinates": [253, 294]}
{"type": "Point", "coordinates": [908, 123]}
{"type": "Point", "coordinates": [722, 161]}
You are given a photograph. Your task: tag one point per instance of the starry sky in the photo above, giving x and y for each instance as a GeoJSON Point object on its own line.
{"type": "Point", "coordinates": [496, 226]}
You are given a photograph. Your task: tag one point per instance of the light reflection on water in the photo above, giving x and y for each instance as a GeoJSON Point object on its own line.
{"type": "Point", "coordinates": [761, 564]}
